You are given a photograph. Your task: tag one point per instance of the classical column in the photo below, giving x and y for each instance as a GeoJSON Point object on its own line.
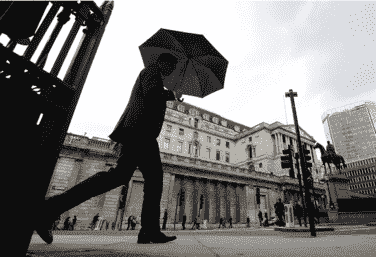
{"type": "Point", "coordinates": [171, 200]}
{"type": "Point", "coordinates": [195, 198]}
{"type": "Point", "coordinates": [278, 136]}
{"type": "Point", "coordinates": [165, 192]}
{"type": "Point", "coordinates": [205, 209]}
{"type": "Point", "coordinates": [181, 208]}
{"type": "Point", "coordinates": [281, 141]}
{"type": "Point", "coordinates": [212, 201]}
{"type": "Point", "coordinates": [200, 191]}
{"type": "Point", "coordinates": [251, 203]}
{"type": "Point", "coordinates": [239, 203]}
{"type": "Point", "coordinates": [227, 200]}
{"type": "Point", "coordinates": [222, 200]}
{"type": "Point", "coordinates": [232, 202]}
{"type": "Point", "coordinates": [189, 199]}
{"type": "Point", "coordinates": [127, 203]}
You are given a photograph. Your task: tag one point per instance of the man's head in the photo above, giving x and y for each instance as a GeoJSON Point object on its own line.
{"type": "Point", "coordinates": [279, 200]}
{"type": "Point", "coordinates": [328, 142]}
{"type": "Point", "coordinates": [166, 63]}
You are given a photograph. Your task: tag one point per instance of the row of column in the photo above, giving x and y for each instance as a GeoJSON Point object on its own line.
{"type": "Point", "coordinates": [220, 199]}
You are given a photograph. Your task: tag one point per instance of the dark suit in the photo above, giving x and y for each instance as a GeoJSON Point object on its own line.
{"type": "Point", "coordinates": [137, 130]}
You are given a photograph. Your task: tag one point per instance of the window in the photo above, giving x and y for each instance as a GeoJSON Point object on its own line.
{"type": "Point", "coordinates": [206, 116]}
{"type": "Point", "coordinates": [167, 143]}
{"type": "Point", "coordinates": [260, 165]}
{"type": "Point", "coordinates": [180, 146]}
{"type": "Point", "coordinates": [283, 138]}
{"type": "Point", "coordinates": [209, 139]}
{"type": "Point", "coordinates": [196, 122]}
{"type": "Point", "coordinates": [250, 139]}
{"type": "Point", "coordinates": [190, 148]}
{"type": "Point", "coordinates": [195, 135]}
{"type": "Point", "coordinates": [196, 150]}
{"type": "Point", "coordinates": [170, 104]}
{"type": "Point", "coordinates": [227, 144]}
{"type": "Point", "coordinates": [290, 141]}
{"type": "Point", "coordinates": [208, 152]}
{"type": "Point", "coordinates": [250, 152]}
{"type": "Point", "coordinates": [181, 131]}
{"type": "Point", "coordinates": [218, 142]}
{"type": "Point", "coordinates": [227, 157]}
{"type": "Point", "coordinates": [169, 127]}
{"type": "Point", "coordinates": [181, 108]}
{"type": "Point", "coordinates": [218, 156]}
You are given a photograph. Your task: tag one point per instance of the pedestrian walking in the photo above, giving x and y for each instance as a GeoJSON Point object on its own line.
{"type": "Point", "coordinates": [298, 211]}
{"type": "Point", "coordinates": [220, 222]}
{"type": "Point", "coordinates": [129, 221]}
{"type": "Point", "coordinates": [164, 220]}
{"type": "Point", "coordinates": [94, 221]}
{"type": "Point", "coordinates": [249, 221]}
{"type": "Point", "coordinates": [139, 126]}
{"type": "Point", "coordinates": [133, 222]}
{"type": "Point", "coordinates": [280, 212]}
{"type": "Point", "coordinates": [184, 221]}
{"type": "Point", "coordinates": [266, 221]}
{"type": "Point", "coordinates": [230, 221]}
{"type": "Point", "coordinates": [194, 223]}
{"type": "Point", "coordinates": [260, 217]}
{"type": "Point", "coordinates": [74, 221]}
{"type": "Point", "coordinates": [66, 223]}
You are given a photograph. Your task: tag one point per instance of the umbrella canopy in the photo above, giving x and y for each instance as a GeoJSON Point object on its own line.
{"type": "Point", "coordinates": [201, 68]}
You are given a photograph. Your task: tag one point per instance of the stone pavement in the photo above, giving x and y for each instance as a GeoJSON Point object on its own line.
{"type": "Point", "coordinates": [200, 244]}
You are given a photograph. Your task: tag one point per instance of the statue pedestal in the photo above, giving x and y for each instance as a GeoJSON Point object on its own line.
{"type": "Point", "coordinates": [339, 189]}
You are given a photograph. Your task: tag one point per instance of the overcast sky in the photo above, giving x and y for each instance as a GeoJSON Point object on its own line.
{"type": "Point", "coordinates": [325, 51]}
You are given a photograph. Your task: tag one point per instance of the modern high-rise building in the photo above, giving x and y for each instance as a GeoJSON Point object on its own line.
{"type": "Point", "coordinates": [351, 129]}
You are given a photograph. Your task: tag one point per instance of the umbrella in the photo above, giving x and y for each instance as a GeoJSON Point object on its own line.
{"type": "Point", "coordinates": [201, 69]}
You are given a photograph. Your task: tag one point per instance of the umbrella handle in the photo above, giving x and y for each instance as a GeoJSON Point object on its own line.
{"type": "Point", "coordinates": [180, 100]}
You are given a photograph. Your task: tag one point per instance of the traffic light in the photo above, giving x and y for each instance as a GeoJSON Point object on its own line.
{"type": "Point", "coordinates": [258, 195]}
{"type": "Point", "coordinates": [201, 201]}
{"type": "Point", "coordinates": [287, 161]}
{"type": "Point", "coordinates": [307, 158]}
{"type": "Point", "coordinates": [182, 197]}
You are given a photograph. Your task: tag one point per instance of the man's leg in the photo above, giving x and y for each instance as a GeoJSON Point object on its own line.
{"type": "Point", "coordinates": [151, 168]}
{"type": "Point", "coordinates": [96, 184]}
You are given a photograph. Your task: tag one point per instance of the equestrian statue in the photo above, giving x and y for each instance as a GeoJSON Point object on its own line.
{"type": "Point", "coordinates": [330, 156]}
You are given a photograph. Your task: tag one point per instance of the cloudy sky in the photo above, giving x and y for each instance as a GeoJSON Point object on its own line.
{"type": "Point", "coordinates": [325, 51]}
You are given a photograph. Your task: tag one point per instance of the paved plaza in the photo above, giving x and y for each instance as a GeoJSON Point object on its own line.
{"type": "Point", "coordinates": [344, 241]}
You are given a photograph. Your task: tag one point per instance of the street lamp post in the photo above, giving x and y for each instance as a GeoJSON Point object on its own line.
{"type": "Point", "coordinates": [301, 189]}
{"type": "Point", "coordinates": [292, 94]}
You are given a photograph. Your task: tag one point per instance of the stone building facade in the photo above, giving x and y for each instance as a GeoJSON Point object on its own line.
{"type": "Point", "coordinates": [203, 154]}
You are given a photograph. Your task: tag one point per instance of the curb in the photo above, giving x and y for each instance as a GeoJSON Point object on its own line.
{"type": "Point", "coordinates": [283, 229]}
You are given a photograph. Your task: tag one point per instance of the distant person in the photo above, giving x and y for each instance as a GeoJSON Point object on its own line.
{"type": "Point", "coordinates": [280, 212]}
{"type": "Point", "coordinates": [66, 223]}
{"type": "Point", "coordinates": [260, 217]}
{"type": "Point", "coordinates": [130, 218]}
{"type": "Point", "coordinates": [220, 222]}
{"type": "Point", "coordinates": [94, 221]}
{"type": "Point", "coordinates": [194, 223]}
{"type": "Point", "coordinates": [230, 221]}
{"type": "Point", "coordinates": [134, 223]}
{"type": "Point", "coordinates": [248, 222]}
{"type": "Point", "coordinates": [298, 211]}
{"type": "Point", "coordinates": [74, 221]}
{"type": "Point", "coordinates": [139, 126]}
{"type": "Point", "coordinates": [164, 220]}
{"type": "Point", "coordinates": [266, 221]}
{"type": "Point", "coordinates": [184, 221]}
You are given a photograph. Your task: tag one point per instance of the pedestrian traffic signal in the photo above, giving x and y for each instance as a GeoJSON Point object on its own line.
{"type": "Point", "coordinates": [307, 158]}
{"type": "Point", "coordinates": [287, 161]}
{"type": "Point", "coordinates": [182, 197]}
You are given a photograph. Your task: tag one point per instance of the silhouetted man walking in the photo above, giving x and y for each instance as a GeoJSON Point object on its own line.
{"type": "Point", "coordinates": [137, 130]}
{"type": "Point", "coordinates": [260, 217]}
{"type": "Point", "coordinates": [230, 221]}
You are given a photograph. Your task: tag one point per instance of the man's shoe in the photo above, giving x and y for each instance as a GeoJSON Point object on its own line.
{"type": "Point", "coordinates": [45, 233]}
{"type": "Point", "coordinates": [157, 238]}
